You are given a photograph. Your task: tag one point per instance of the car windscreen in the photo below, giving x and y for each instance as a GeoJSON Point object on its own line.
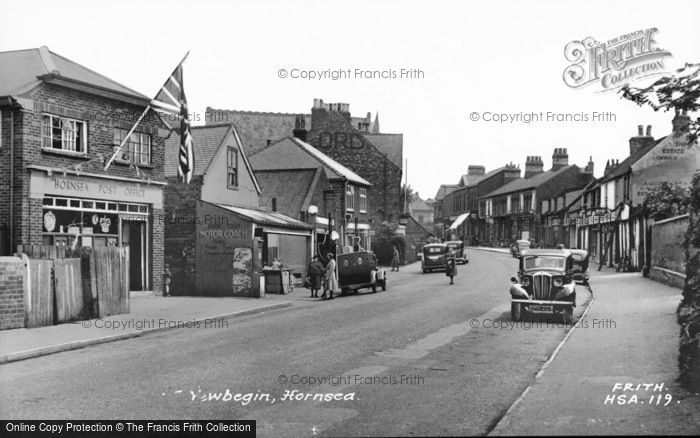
{"type": "Point", "coordinates": [545, 262]}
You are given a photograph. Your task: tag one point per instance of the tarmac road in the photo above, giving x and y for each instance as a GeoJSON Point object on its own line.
{"type": "Point", "coordinates": [423, 358]}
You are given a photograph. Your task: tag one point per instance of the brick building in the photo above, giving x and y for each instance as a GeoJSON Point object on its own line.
{"type": "Point", "coordinates": [514, 211]}
{"type": "Point", "coordinates": [296, 178]}
{"type": "Point", "coordinates": [59, 124]}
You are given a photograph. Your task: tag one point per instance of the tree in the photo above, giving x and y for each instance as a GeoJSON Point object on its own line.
{"type": "Point", "coordinates": [682, 94]}
{"type": "Point", "coordinates": [667, 200]}
{"type": "Point", "coordinates": [407, 194]}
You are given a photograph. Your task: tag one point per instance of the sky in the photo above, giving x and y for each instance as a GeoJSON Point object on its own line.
{"type": "Point", "coordinates": [470, 60]}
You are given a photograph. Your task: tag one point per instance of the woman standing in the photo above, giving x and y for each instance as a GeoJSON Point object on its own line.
{"type": "Point", "coordinates": [315, 272]}
{"type": "Point", "coordinates": [331, 277]}
{"type": "Point", "coordinates": [451, 265]}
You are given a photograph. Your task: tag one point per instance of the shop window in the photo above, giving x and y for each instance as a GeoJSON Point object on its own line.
{"type": "Point", "coordinates": [350, 198]}
{"type": "Point", "coordinates": [136, 150]}
{"type": "Point", "coordinates": [63, 134]}
{"type": "Point", "coordinates": [363, 200]}
{"type": "Point", "coordinates": [232, 167]}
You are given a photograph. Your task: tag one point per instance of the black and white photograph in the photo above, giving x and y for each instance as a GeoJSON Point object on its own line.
{"type": "Point", "coordinates": [314, 218]}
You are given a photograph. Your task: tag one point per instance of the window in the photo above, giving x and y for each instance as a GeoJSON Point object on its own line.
{"type": "Point", "coordinates": [64, 134]}
{"type": "Point", "coordinates": [136, 150]}
{"type": "Point", "coordinates": [350, 198]}
{"type": "Point", "coordinates": [232, 161]}
{"type": "Point", "coordinates": [363, 200]}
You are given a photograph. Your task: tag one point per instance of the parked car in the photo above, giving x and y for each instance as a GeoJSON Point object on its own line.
{"type": "Point", "coordinates": [581, 259]}
{"type": "Point", "coordinates": [545, 284]}
{"type": "Point", "coordinates": [461, 253]}
{"type": "Point", "coordinates": [433, 257]}
{"type": "Point", "coordinates": [519, 246]}
{"type": "Point", "coordinates": [357, 270]}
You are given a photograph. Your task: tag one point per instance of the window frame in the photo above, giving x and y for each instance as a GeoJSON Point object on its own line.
{"type": "Point", "coordinates": [363, 200]}
{"type": "Point", "coordinates": [349, 198]}
{"type": "Point", "coordinates": [83, 135]}
{"type": "Point", "coordinates": [132, 153]}
{"type": "Point", "coordinates": [232, 170]}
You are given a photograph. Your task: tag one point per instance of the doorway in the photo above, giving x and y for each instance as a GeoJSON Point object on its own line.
{"type": "Point", "coordinates": [134, 236]}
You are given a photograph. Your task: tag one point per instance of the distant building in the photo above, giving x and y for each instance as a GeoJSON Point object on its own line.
{"type": "Point", "coordinates": [422, 212]}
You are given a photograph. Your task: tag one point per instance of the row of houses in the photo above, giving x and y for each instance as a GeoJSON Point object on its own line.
{"type": "Point", "coordinates": [265, 186]}
{"type": "Point", "coordinates": [567, 204]}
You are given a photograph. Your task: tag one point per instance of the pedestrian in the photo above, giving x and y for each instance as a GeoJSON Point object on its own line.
{"type": "Point", "coordinates": [451, 264]}
{"type": "Point", "coordinates": [395, 260]}
{"type": "Point", "coordinates": [167, 278]}
{"type": "Point", "coordinates": [331, 278]}
{"type": "Point", "coordinates": [315, 273]}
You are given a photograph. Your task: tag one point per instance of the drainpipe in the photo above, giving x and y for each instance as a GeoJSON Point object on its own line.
{"type": "Point", "coordinates": [12, 180]}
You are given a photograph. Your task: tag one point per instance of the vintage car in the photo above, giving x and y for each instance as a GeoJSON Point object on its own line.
{"type": "Point", "coordinates": [518, 247]}
{"type": "Point", "coordinates": [458, 246]}
{"type": "Point", "coordinates": [544, 284]}
{"type": "Point", "coordinates": [433, 257]}
{"type": "Point", "coordinates": [580, 267]}
{"type": "Point", "coordinates": [357, 270]}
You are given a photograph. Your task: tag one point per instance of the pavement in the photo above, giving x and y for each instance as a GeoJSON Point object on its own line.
{"type": "Point", "coordinates": [148, 314]}
{"type": "Point", "coordinates": [594, 383]}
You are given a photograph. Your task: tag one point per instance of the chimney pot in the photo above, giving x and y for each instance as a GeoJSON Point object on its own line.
{"type": "Point", "coordinates": [648, 130]}
{"type": "Point", "coordinates": [640, 129]}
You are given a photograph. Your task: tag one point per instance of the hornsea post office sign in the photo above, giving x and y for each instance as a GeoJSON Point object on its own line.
{"type": "Point", "coordinates": [615, 62]}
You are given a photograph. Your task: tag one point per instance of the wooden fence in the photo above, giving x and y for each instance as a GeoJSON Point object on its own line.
{"type": "Point", "coordinates": [64, 285]}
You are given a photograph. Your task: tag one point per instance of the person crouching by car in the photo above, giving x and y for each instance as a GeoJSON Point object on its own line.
{"type": "Point", "coordinates": [451, 265]}
{"type": "Point", "coordinates": [315, 273]}
{"type": "Point", "coordinates": [331, 278]}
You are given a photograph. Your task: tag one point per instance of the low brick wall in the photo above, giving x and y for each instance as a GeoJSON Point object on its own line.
{"type": "Point", "coordinates": [668, 252]}
{"type": "Point", "coordinates": [12, 274]}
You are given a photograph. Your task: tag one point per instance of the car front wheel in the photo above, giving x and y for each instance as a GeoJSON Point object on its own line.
{"type": "Point", "coordinates": [516, 311]}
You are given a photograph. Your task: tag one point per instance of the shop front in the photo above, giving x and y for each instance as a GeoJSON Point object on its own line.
{"type": "Point", "coordinates": [93, 210]}
{"type": "Point", "coordinates": [233, 244]}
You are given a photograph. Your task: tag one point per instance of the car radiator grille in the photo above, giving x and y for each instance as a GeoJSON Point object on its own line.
{"type": "Point", "coordinates": [542, 286]}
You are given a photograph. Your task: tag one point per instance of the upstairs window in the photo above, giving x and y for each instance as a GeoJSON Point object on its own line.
{"type": "Point", "coordinates": [232, 160]}
{"type": "Point", "coordinates": [136, 150]}
{"type": "Point", "coordinates": [350, 198]}
{"type": "Point", "coordinates": [363, 200]}
{"type": "Point", "coordinates": [63, 134]}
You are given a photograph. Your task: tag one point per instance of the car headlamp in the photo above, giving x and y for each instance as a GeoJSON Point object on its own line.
{"type": "Point", "coordinates": [525, 281]}
{"type": "Point", "coordinates": [557, 282]}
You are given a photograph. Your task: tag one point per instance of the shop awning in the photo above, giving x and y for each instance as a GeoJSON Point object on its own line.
{"type": "Point", "coordinates": [459, 221]}
{"type": "Point", "coordinates": [269, 218]}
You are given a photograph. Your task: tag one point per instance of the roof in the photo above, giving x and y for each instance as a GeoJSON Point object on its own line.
{"type": "Point", "coordinates": [22, 70]}
{"type": "Point", "coordinates": [292, 153]}
{"type": "Point", "coordinates": [528, 183]}
{"type": "Point", "coordinates": [625, 166]}
{"type": "Point", "coordinates": [206, 140]}
{"type": "Point", "coordinates": [262, 217]}
{"type": "Point", "coordinates": [419, 204]}
{"type": "Point", "coordinates": [444, 190]}
{"type": "Point", "coordinates": [291, 188]}
{"type": "Point", "coordinates": [389, 144]}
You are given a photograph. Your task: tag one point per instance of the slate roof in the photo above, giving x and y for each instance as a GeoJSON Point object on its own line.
{"type": "Point", "coordinates": [291, 188]}
{"type": "Point", "coordinates": [206, 140]}
{"type": "Point", "coordinates": [444, 190]}
{"type": "Point", "coordinates": [261, 217]}
{"type": "Point", "coordinates": [22, 70]}
{"type": "Point", "coordinates": [627, 163]}
{"type": "Point", "coordinates": [527, 183]}
{"type": "Point", "coordinates": [292, 153]}
{"type": "Point", "coordinates": [389, 144]}
{"type": "Point", "coordinates": [419, 205]}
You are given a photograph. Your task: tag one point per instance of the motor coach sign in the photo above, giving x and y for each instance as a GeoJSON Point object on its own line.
{"type": "Point", "coordinates": [614, 62]}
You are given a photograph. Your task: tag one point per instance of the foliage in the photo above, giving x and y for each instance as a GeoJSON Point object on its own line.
{"type": "Point", "coordinates": [383, 244]}
{"type": "Point", "coordinates": [407, 194]}
{"type": "Point", "coordinates": [667, 200]}
{"type": "Point", "coordinates": [680, 92]}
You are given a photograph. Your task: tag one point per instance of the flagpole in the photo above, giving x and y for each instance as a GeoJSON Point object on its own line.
{"type": "Point", "coordinates": [131, 131]}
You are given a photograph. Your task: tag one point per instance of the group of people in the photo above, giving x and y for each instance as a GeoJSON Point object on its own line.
{"type": "Point", "coordinates": [323, 277]}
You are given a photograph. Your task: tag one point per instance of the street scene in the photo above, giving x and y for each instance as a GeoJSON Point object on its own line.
{"type": "Point", "coordinates": [221, 235]}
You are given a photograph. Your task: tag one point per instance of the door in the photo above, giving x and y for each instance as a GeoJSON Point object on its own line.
{"type": "Point", "coordinates": [134, 235]}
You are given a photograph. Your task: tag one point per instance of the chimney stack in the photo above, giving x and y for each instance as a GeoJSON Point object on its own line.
{"type": "Point", "coordinates": [641, 141]}
{"type": "Point", "coordinates": [476, 170]}
{"type": "Point", "coordinates": [300, 127]}
{"type": "Point", "coordinates": [681, 122]}
{"type": "Point", "coordinates": [589, 166]}
{"type": "Point", "coordinates": [560, 158]}
{"type": "Point", "coordinates": [533, 166]}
